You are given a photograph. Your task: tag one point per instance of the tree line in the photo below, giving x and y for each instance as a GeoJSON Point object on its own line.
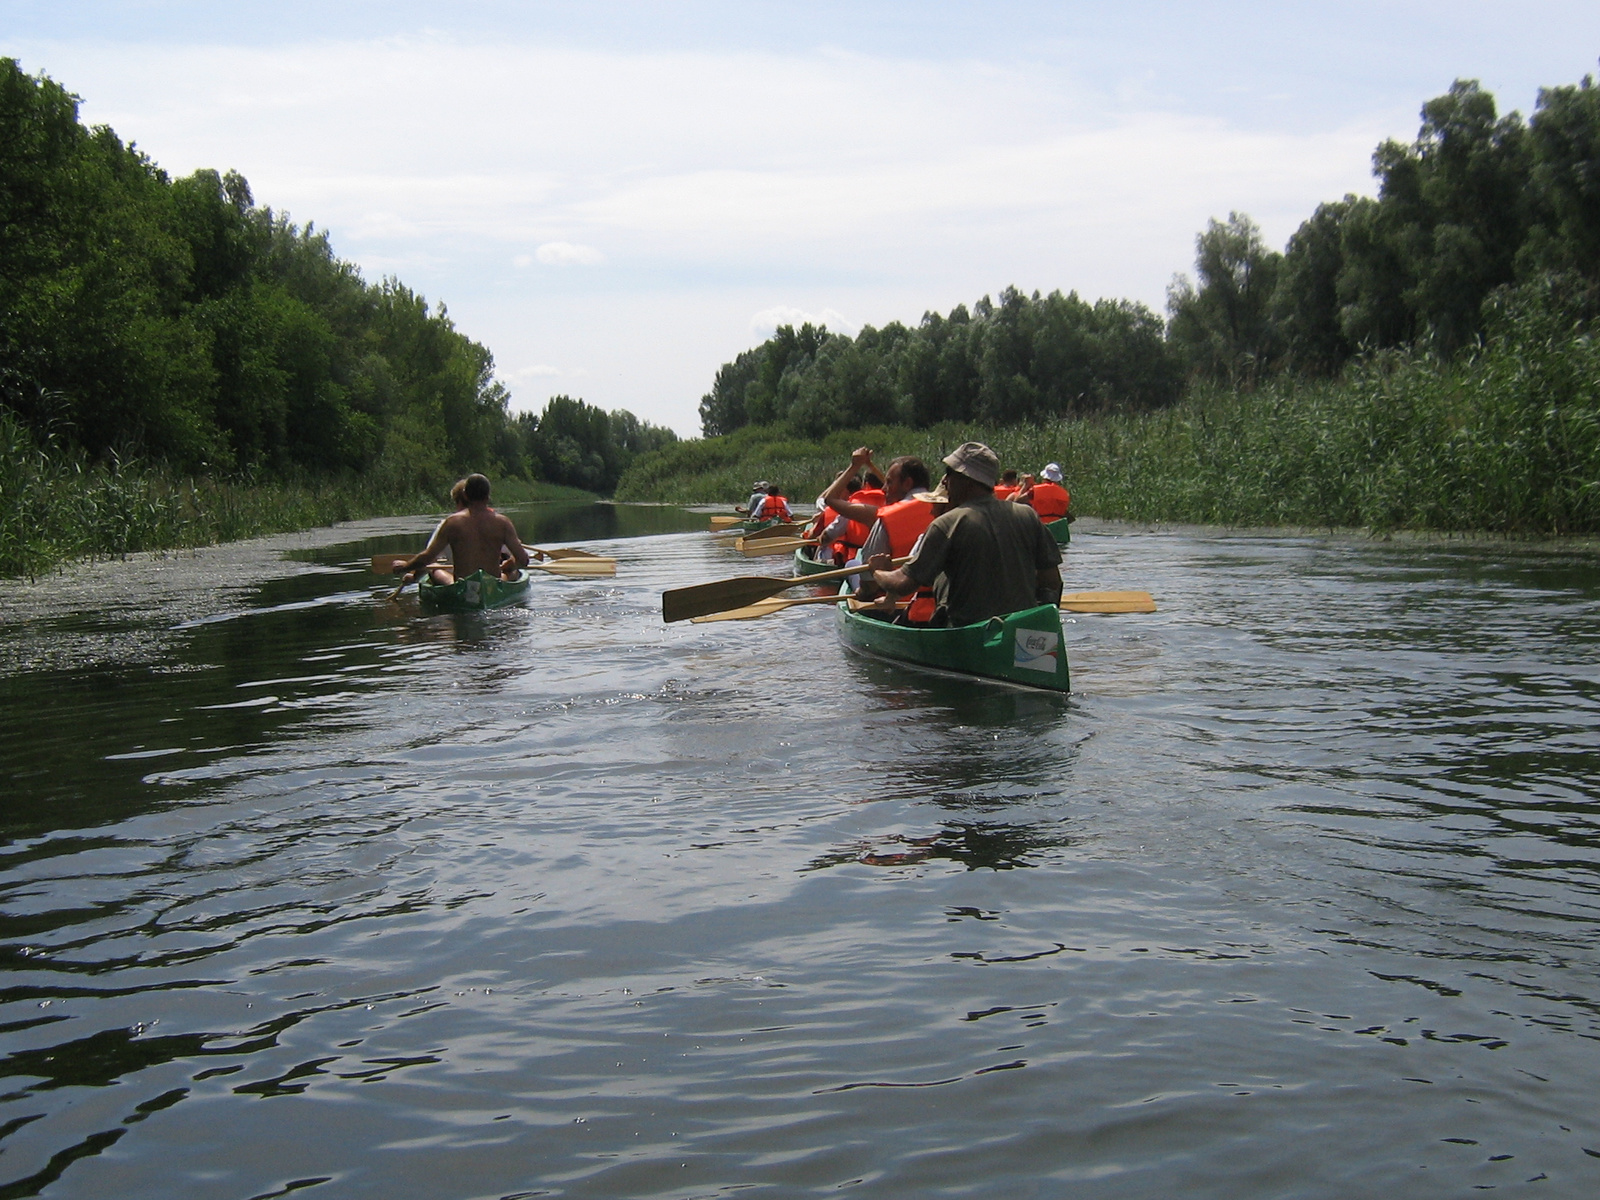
{"type": "Point", "coordinates": [177, 321]}
{"type": "Point", "coordinates": [1481, 211]}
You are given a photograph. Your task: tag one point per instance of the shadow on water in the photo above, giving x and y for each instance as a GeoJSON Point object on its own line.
{"type": "Point", "coordinates": [974, 845]}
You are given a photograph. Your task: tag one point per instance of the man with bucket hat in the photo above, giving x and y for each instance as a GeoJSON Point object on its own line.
{"type": "Point", "coordinates": [984, 557]}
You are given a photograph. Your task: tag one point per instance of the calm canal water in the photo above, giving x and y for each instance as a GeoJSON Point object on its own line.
{"type": "Point", "coordinates": [302, 892]}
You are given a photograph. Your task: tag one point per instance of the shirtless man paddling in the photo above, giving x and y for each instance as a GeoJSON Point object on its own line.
{"type": "Point", "coordinates": [476, 536]}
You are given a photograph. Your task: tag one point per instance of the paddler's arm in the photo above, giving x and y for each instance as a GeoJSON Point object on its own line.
{"type": "Point", "coordinates": [921, 571]}
{"type": "Point", "coordinates": [431, 551]}
{"type": "Point", "coordinates": [513, 543]}
{"type": "Point", "coordinates": [1047, 586]}
{"type": "Point", "coordinates": [838, 494]}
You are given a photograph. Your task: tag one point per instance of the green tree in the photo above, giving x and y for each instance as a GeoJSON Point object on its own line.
{"type": "Point", "coordinates": [1223, 327]}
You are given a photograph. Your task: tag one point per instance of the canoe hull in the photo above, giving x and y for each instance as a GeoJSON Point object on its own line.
{"type": "Point", "coordinates": [475, 593]}
{"type": "Point", "coordinates": [1024, 648]}
{"type": "Point", "coordinates": [1061, 530]}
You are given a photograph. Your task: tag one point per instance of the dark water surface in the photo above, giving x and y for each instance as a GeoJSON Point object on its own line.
{"type": "Point", "coordinates": [1297, 895]}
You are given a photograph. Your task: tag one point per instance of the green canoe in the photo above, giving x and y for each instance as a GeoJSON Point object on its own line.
{"type": "Point", "coordinates": [1023, 648]}
{"type": "Point", "coordinates": [477, 591]}
{"type": "Point", "coordinates": [1060, 529]}
{"type": "Point", "coordinates": [805, 565]}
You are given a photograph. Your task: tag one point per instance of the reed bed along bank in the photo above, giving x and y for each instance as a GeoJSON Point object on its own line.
{"type": "Point", "coordinates": [1506, 441]}
{"type": "Point", "coordinates": [56, 505]}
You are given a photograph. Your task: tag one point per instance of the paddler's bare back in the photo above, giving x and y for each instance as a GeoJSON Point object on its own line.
{"type": "Point", "coordinates": [475, 537]}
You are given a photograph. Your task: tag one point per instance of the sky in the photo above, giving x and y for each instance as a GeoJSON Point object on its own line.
{"type": "Point", "coordinates": [617, 198]}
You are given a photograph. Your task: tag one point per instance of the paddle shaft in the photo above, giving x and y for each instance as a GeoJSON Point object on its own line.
{"type": "Point", "coordinates": [683, 604]}
{"type": "Point", "coordinates": [1080, 602]}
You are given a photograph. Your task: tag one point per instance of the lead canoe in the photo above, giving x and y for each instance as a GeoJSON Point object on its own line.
{"type": "Point", "coordinates": [1023, 648]}
{"type": "Point", "coordinates": [1060, 529]}
{"type": "Point", "coordinates": [474, 593]}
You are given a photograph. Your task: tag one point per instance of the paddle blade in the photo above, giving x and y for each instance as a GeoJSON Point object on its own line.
{"type": "Point", "coordinates": [586, 568]}
{"type": "Point", "coordinates": [767, 547]}
{"type": "Point", "coordinates": [719, 523]}
{"type": "Point", "coordinates": [1108, 602]}
{"type": "Point", "coordinates": [686, 603]}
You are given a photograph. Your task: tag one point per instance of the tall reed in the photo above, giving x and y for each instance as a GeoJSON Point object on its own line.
{"type": "Point", "coordinates": [56, 504]}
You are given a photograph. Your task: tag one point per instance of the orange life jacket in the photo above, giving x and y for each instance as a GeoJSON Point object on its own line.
{"type": "Point", "coordinates": [905, 521]}
{"type": "Point", "coordinates": [774, 507]}
{"type": "Point", "coordinates": [1050, 500]}
{"type": "Point", "coordinates": [1004, 491]}
{"type": "Point", "coordinates": [855, 534]}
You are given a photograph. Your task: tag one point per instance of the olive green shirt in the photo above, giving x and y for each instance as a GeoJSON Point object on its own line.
{"type": "Point", "coordinates": [983, 559]}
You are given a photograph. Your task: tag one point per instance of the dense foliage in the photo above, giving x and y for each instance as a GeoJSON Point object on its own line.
{"type": "Point", "coordinates": [1476, 206]}
{"type": "Point", "coordinates": [1024, 358]}
{"type": "Point", "coordinates": [1503, 437]}
{"type": "Point", "coordinates": [177, 322]}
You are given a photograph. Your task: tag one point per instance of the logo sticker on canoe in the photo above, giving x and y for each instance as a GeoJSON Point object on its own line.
{"type": "Point", "coordinates": [1036, 650]}
{"type": "Point", "coordinates": [472, 591]}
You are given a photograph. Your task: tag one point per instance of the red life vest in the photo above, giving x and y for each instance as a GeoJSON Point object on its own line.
{"type": "Point", "coordinates": [855, 534]}
{"type": "Point", "coordinates": [905, 521]}
{"type": "Point", "coordinates": [1050, 500]}
{"type": "Point", "coordinates": [1004, 491]}
{"type": "Point", "coordinates": [774, 507]}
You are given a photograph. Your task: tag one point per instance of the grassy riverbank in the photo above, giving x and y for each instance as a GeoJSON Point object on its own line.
{"type": "Point", "coordinates": [1506, 441]}
{"type": "Point", "coordinates": [56, 505]}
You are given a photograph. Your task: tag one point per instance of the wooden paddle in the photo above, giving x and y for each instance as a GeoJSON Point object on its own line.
{"type": "Point", "coordinates": [588, 568]}
{"type": "Point", "coordinates": [782, 529]}
{"type": "Point", "coordinates": [751, 611]}
{"type": "Point", "coordinates": [563, 552]}
{"type": "Point", "coordinates": [785, 529]}
{"type": "Point", "coordinates": [1108, 602]}
{"type": "Point", "coordinates": [686, 603]}
{"type": "Point", "coordinates": [1084, 602]}
{"type": "Point", "coordinates": [719, 524]}
{"type": "Point", "coordinates": [766, 547]}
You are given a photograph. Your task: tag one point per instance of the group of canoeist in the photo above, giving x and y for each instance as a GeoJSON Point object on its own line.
{"type": "Point", "coordinates": [974, 547]}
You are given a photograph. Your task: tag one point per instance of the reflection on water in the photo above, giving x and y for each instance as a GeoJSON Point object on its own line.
{"type": "Point", "coordinates": [302, 891]}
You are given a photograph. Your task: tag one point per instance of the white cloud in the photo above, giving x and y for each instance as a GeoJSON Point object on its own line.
{"type": "Point", "coordinates": [765, 323]}
{"type": "Point", "coordinates": [717, 182]}
{"type": "Point", "coordinates": [565, 254]}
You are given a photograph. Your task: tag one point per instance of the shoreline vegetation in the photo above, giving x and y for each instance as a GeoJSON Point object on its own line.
{"type": "Point", "coordinates": [1422, 360]}
{"type": "Point", "coordinates": [1505, 440]}
{"type": "Point", "coordinates": [57, 505]}
{"type": "Point", "coordinates": [180, 364]}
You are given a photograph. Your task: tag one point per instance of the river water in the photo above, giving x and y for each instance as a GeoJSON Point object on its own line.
{"type": "Point", "coordinates": [306, 892]}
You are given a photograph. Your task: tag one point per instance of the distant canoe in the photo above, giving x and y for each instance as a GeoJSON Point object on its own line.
{"type": "Point", "coordinates": [1023, 648]}
{"type": "Point", "coordinates": [805, 565]}
{"type": "Point", "coordinates": [477, 591]}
